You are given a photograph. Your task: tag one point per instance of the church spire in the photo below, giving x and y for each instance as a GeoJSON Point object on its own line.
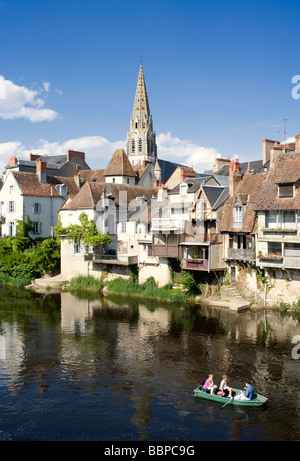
{"type": "Point", "coordinates": [141, 102]}
{"type": "Point", "coordinates": [141, 142]}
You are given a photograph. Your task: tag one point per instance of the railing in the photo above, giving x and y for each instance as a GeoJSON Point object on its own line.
{"type": "Point", "coordinates": [196, 264]}
{"type": "Point", "coordinates": [165, 251]}
{"type": "Point", "coordinates": [111, 259]}
{"type": "Point", "coordinates": [241, 254]}
{"type": "Point", "coordinates": [279, 230]}
{"type": "Point", "coordinates": [167, 224]}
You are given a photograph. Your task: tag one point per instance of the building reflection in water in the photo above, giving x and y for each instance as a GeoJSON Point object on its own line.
{"type": "Point", "coordinates": [134, 349]}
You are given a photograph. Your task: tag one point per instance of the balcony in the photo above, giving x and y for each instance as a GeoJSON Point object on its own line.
{"type": "Point", "coordinates": [166, 251]}
{"type": "Point", "coordinates": [167, 225]}
{"type": "Point", "coordinates": [194, 264]}
{"type": "Point", "coordinates": [111, 259]}
{"type": "Point", "coordinates": [240, 254]}
{"type": "Point", "coordinates": [279, 230]}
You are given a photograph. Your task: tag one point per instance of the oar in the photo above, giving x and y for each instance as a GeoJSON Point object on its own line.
{"type": "Point", "coordinates": [227, 402]}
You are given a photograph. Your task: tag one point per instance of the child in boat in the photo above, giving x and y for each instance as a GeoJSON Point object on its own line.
{"type": "Point", "coordinates": [209, 385]}
{"type": "Point", "coordinates": [224, 389]}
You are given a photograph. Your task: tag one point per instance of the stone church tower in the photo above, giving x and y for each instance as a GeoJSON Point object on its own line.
{"type": "Point", "coordinates": [141, 141]}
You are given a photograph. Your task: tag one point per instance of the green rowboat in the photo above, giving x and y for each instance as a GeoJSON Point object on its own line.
{"type": "Point", "coordinates": [256, 402]}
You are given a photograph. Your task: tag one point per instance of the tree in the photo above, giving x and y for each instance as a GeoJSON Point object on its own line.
{"type": "Point", "coordinates": [86, 232]}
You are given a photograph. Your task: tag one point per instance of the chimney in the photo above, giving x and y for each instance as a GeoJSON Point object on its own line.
{"type": "Point", "coordinates": [41, 171]}
{"type": "Point", "coordinates": [73, 153]}
{"type": "Point", "coordinates": [219, 162]}
{"type": "Point", "coordinates": [267, 146]}
{"type": "Point", "coordinates": [13, 161]}
{"type": "Point", "coordinates": [297, 143]}
{"type": "Point", "coordinates": [186, 173]}
{"type": "Point", "coordinates": [162, 193]}
{"type": "Point", "coordinates": [235, 176]}
{"type": "Point", "coordinates": [33, 157]}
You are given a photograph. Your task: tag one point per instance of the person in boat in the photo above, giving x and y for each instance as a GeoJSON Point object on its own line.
{"type": "Point", "coordinates": [224, 389]}
{"type": "Point", "coordinates": [247, 393]}
{"type": "Point", "coordinates": [209, 385]}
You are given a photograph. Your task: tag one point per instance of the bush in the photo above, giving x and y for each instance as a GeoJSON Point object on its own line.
{"type": "Point", "coordinates": [24, 260]}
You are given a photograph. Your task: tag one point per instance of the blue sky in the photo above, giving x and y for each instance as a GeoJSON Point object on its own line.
{"type": "Point", "coordinates": [218, 75]}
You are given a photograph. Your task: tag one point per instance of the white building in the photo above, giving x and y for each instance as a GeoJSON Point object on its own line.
{"type": "Point", "coordinates": [35, 195]}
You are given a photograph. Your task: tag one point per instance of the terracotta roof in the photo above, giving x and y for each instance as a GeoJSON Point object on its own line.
{"type": "Point", "coordinates": [285, 170]}
{"type": "Point", "coordinates": [91, 192]}
{"type": "Point", "coordinates": [30, 185]}
{"type": "Point", "coordinates": [92, 175]}
{"type": "Point", "coordinates": [119, 165]}
{"type": "Point", "coordinates": [246, 193]}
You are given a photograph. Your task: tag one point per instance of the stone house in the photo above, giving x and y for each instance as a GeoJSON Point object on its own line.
{"type": "Point", "coordinates": [238, 226]}
{"type": "Point", "coordinates": [108, 205]}
{"type": "Point", "coordinates": [278, 223]}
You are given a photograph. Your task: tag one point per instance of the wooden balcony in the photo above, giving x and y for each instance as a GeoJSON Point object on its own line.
{"type": "Point", "coordinates": [166, 251]}
{"type": "Point", "coordinates": [194, 264]}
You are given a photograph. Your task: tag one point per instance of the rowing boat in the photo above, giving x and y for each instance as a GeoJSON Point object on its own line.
{"type": "Point", "coordinates": [256, 402]}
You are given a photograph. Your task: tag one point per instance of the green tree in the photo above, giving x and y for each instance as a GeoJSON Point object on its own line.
{"type": "Point", "coordinates": [86, 232]}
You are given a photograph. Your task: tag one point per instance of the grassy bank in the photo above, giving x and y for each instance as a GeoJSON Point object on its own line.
{"type": "Point", "coordinates": [148, 289]}
{"type": "Point", "coordinates": [129, 287]}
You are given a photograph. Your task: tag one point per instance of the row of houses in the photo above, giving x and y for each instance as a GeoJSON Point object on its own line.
{"type": "Point", "coordinates": [236, 219]}
{"type": "Point", "coordinates": [242, 220]}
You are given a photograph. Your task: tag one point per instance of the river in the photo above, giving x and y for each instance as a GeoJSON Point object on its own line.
{"type": "Point", "coordinates": [117, 369]}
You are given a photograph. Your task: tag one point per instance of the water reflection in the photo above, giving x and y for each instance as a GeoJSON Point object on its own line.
{"type": "Point", "coordinates": [117, 369]}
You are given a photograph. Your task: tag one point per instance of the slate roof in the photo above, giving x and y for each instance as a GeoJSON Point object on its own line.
{"type": "Point", "coordinates": [167, 169]}
{"type": "Point", "coordinates": [285, 170]}
{"type": "Point", "coordinates": [214, 193]}
{"type": "Point", "coordinates": [255, 166]}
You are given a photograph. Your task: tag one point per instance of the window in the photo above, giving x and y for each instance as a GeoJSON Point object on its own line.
{"type": "Point", "coordinates": [285, 190]}
{"type": "Point", "coordinates": [11, 207]}
{"type": "Point", "coordinates": [37, 208]}
{"type": "Point", "coordinates": [140, 145]}
{"type": "Point", "coordinates": [76, 247]}
{"type": "Point", "coordinates": [123, 227]}
{"type": "Point", "coordinates": [11, 189]}
{"type": "Point", "coordinates": [289, 217]}
{"type": "Point", "coordinates": [238, 216]}
{"type": "Point", "coordinates": [37, 227]}
{"type": "Point", "coordinates": [113, 180]}
{"type": "Point", "coordinates": [133, 145]}
{"type": "Point", "coordinates": [127, 180]}
{"type": "Point", "coordinates": [274, 248]}
{"type": "Point", "coordinates": [149, 252]}
{"type": "Point", "coordinates": [12, 229]}
{"type": "Point", "coordinates": [271, 219]}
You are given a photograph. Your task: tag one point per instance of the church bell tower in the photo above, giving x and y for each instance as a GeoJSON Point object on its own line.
{"type": "Point", "coordinates": [141, 140]}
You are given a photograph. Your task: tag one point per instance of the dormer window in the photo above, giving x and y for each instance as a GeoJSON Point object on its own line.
{"type": "Point", "coordinates": [286, 190]}
{"type": "Point", "coordinates": [238, 214]}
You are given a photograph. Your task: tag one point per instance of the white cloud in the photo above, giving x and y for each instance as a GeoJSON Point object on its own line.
{"type": "Point", "coordinates": [46, 86]}
{"type": "Point", "coordinates": [185, 152]}
{"type": "Point", "coordinates": [99, 150]}
{"type": "Point", "coordinates": [20, 102]}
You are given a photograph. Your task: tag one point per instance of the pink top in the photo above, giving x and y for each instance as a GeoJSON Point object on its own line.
{"type": "Point", "coordinates": [207, 383]}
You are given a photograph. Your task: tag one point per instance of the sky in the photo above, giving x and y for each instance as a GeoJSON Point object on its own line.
{"type": "Point", "coordinates": [221, 76]}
